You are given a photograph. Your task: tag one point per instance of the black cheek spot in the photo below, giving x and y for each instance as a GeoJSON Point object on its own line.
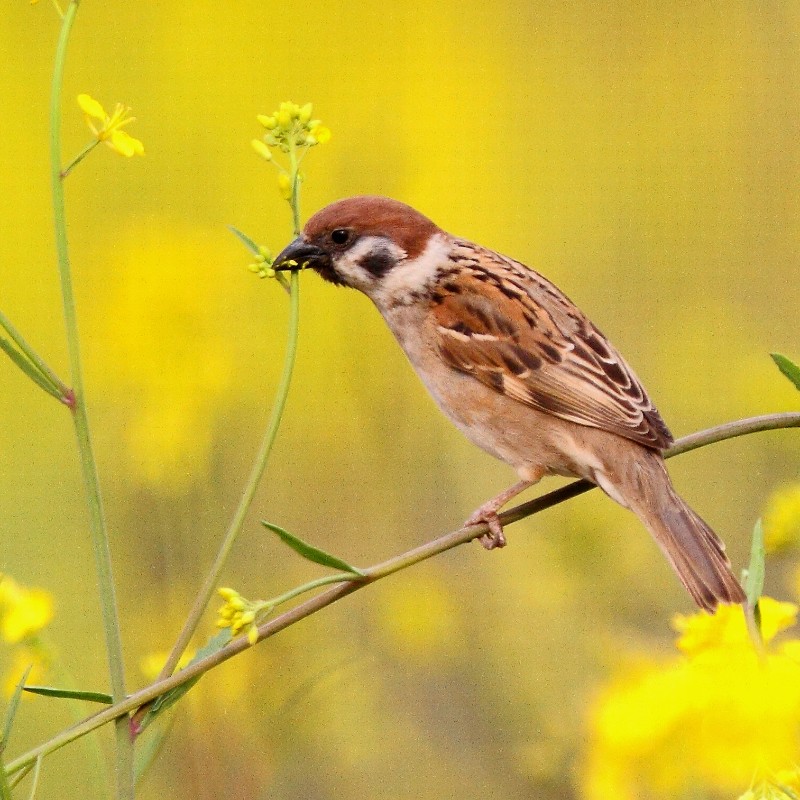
{"type": "Point", "coordinates": [378, 262]}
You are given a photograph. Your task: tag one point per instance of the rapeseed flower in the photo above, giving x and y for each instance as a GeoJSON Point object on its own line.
{"type": "Point", "coordinates": [107, 128]}
{"type": "Point", "coordinates": [24, 614]}
{"type": "Point", "coordinates": [709, 722]}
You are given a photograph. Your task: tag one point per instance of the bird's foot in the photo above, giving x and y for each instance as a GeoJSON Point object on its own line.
{"type": "Point", "coordinates": [487, 515]}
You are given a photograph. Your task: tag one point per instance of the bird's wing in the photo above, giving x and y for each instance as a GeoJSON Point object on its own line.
{"type": "Point", "coordinates": [516, 332]}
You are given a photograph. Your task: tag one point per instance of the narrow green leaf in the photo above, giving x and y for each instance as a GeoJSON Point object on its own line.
{"type": "Point", "coordinates": [28, 368]}
{"type": "Point", "coordinates": [70, 694]}
{"type": "Point", "coordinates": [245, 240]}
{"type": "Point", "coordinates": [754, 584]}
{"type": "Point", "coordinates": [11, 711]}
{"type": "Point", "coordinates": [310, 552]}
{"type": "Point", "coordinates": [788, 368]}
{"type": "Point", "coordinates": [168, 699]}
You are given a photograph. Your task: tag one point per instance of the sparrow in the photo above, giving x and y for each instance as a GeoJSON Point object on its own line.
{"type": "Point", "coordinates": [518, 368]}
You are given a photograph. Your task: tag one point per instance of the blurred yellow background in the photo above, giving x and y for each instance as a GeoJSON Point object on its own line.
{"type": "Point", "coordinates": [645, 156]}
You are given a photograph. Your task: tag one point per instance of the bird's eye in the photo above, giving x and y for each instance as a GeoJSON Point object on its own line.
{"type": "Point", "coordinates": [340, 236]}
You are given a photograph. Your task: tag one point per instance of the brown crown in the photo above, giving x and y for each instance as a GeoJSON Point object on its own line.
{"type": "Point", "coordinates": [378, 216]}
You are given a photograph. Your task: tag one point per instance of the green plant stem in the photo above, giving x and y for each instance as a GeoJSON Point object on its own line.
{"type": "Point", "coordinates": [97, 524]}
{"type": "Point", "coordinates": [237, 523]}
{"type": "Point", "coordinates": [5, 788]}
{"type": "Point", "coordinates": [262, 457]}
{"type": "Point", "coordinates": [348, 586]}
{"type": "Point", "coordinates": [78, 158]}
{"type": "Point", "coordinates": [339, 577]}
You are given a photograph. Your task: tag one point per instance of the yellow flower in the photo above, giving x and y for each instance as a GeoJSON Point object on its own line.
{"type": "Point", "coordinates": [781, 519]}
{"type": "Point", "coordinates": [713, 720]}
{"type": "Point", "coordinates": [291, 127]}
{"type": "Point", "coordinates": [108, 128]}
{"type": "Point", "coordinates": [24, 612]}
{"type": "Point", "coordinates": [240, 614]}
{"type": "Point", "coordinates": [702, 632]}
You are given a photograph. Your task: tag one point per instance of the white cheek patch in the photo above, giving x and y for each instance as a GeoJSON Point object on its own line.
{"type": "Point", "coordinates": [350, 264]}
{"type": "Point", "coordinates": [415, 274]}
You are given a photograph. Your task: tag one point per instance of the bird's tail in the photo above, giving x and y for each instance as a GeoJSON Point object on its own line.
{"type": "Point", "coordinates": [696, 553]}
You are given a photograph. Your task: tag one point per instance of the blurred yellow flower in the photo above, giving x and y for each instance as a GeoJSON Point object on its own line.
{"type": "Point", "coordinates": [418, 617]}
{"type": "Point", "coordinates": [781, 519]}
{"type": "Point", "coordinates": [784, 786]}
{"type": "Point", "coordinates": [24, 612]}
{"type": "Point", "coordinates": [150, 664]}
{"type": "Point", "coordinates": [21, 659]}
{"type": "Point", "coordinates": [164, 357]}
{"type": "Point", "coordinates": [710, 722]}
{"type": "Point", "coordinates": [700, 633]}
{"type": "Point", "coordinates": [107, 128]}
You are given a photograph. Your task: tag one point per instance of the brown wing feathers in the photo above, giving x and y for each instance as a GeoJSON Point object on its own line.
{"type": "Point", "coordinates": [549, 357]}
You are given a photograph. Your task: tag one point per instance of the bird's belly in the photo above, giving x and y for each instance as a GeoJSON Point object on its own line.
{"type": "Point", "coordinates": [521, 436]}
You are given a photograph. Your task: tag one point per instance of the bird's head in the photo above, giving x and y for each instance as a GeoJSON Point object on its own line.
{"type": "Point", "coordinates": [369, 243]}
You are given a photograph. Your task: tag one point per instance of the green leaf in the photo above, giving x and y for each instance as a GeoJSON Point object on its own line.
{"type": "Point", "coordinates": [754, 583]}
{"type": "Point", "coordinates": [245, 240]}
{"type": "Point", "coordinates": [310, 552]}
{"type": "Point", "coordinates": [70, 694]}
{"type": "Point", "coordinates": [28, 368]}
{"type": "Point", "coordinates": [788, 368]}
{"type": "Point", "coordinates": [11, 711]}
{"type": "Point", "coordinates": [168, 699]}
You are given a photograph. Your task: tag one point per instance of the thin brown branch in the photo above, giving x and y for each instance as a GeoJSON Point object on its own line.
{"type": "Point", "coordinates": [348, 586]}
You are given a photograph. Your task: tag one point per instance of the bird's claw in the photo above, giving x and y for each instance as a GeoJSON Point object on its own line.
{"type": "Point", "coordinates": [494, 537]}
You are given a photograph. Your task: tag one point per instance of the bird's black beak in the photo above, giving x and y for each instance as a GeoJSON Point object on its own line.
{"type": "Point", "coordinates": [300, 254]}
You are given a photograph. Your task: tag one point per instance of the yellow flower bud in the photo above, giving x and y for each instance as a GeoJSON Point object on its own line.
{"type": "Point", "coordinates": [305, 113]}
{"type": "Point", "coordinates": [268, 122]}
{"type": "Point", "coordinates": [261, 149]}
{"type": "Point", "coordinates": [252, 634]}
{"type": "Point", "coordinates": [322, 134]}
{"type": "Point", "coordinates": [226, 593]}
{"type": "Point", "coordinates": [284, 118]}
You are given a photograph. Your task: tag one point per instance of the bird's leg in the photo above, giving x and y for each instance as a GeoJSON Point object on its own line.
{"type": "Point", "coordinates": [487, 513]}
